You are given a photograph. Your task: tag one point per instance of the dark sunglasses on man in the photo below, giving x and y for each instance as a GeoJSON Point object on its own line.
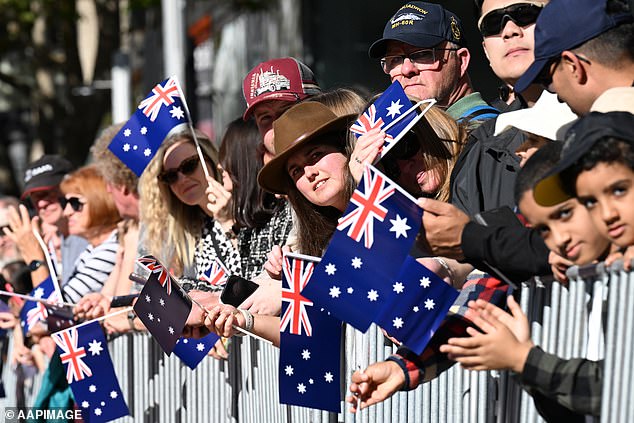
{"type": "Point", "coordinates": [522, 14]}
{"type": "Point", "coordinates": [75, 203]}
{"type": "Point", "coordinates": [187, 167]}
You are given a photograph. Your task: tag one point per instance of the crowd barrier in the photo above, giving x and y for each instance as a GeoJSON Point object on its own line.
{"type": "Point", "coordinates": [580, 320]}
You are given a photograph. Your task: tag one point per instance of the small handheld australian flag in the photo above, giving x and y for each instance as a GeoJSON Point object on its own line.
{"type": "Point", "coordinates": [163, 306]}
{"type": "Point", "coordinates": [157, 115]}
{"type": "Point", "coordinates": [310, 340]}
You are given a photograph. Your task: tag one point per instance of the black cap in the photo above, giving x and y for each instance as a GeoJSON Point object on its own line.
{"type": "Point", "coordinates": [420, 24]}
{"type": "Point", "coordinates": [45, 173]}
{"type": "Point", "coordinates": [580, 138]}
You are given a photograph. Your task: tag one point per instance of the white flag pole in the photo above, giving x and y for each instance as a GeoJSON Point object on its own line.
{"type": "Point", "coordinates": [191, 128]}
{"type": "Point", "coordinates": [49, 263]}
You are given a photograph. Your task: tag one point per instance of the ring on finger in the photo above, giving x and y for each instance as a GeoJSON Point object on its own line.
{"type": "Point", "coordinates": [213, 200]}
{"type": "Point", "coordinates": [356, 159]}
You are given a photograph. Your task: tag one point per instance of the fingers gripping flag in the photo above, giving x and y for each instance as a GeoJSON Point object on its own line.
{"type": "Point", "coordinates": [158, 114]}
{"type": "Point", "coordinates": [162, 306]}
{"type": "Point", "coordinates": [365, 254]}
{"type": "Point", "coordinates": [310, 341]}
{"type": "Point", "coordinates": [89, 371]}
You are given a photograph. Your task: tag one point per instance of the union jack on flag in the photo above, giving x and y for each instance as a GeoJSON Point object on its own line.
{"type": "Point", "coordinates": [353, 280]}
{"type": "Point", "coordinates": [297, 273]}
{"type": "Point", "coordinates": [309, 364]}
{"type": "Point", "coordinates": [72, 354]}
{"type": "Point", "coordinates": [161, 95]}
{"type": "Point", "coordinates": [376, 189]}
{"type": "Point", "coordinates": [153, 266]}
{"type": "Point", "coordinates": [368, 121]}
{"type": "Point", "coordinates": [217, 274]}
{"type": "Point", "coordinates": [83, 349]}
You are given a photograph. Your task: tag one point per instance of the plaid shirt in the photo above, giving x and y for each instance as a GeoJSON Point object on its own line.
{"type": "Point", "coordinates": [431, 362]}
{"type": "Point", "coordinates": [575, 383]}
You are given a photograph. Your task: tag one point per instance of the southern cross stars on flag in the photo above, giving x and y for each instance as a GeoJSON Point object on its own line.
{"type": "Point", "coordinates": [309, 343]}
{"type": "Point", "coordinates": [365, 254]}
{"type": "Point", "coordinates": [162, 306]}
{"type": "Point", "coordinates": [157, 115]}
{"type": "Point", "coordinates": [390, 106]}
{"type": "Point", "coordinates": [216, 274]}
{"type": "Point", "coordinates": [191, 351]}
{"type": "Point", "coordinates": [83, 350]}
{"type": "Point", "coordinates": [419, 303]}
{"type": "Point", "coordinates": [33, 311]}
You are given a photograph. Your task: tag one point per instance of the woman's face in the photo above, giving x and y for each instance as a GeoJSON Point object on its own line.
{"type": "Point", "coordinates": [318, 173]}
{"type": "Point", "coordinates": [190, 183]}
{"type": "Point", "coordinates": [76, 211]}
{"type": "Point", "coordinates": [415, 178]}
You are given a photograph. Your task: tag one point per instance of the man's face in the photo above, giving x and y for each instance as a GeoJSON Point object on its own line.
{"type": "Point", "coordinates": [565, 74]}
{"type": "Point", "coordinates": [46, 204]}
{"type": "Point", "coordinates": [265, 114]}
{"type": "Point", "coordinates": [127, 203]}
{"type": "Point", "coordinates": [438, 80]}
{"type": "Point", "coordinates": [511, 51]}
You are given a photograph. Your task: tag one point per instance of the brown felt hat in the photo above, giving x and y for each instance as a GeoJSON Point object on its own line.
{"type": "Point", "coordinates": [299, 125]}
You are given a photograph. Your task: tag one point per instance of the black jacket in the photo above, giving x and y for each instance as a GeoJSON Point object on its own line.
{"type": "Point", "coordinates": [483, 179]}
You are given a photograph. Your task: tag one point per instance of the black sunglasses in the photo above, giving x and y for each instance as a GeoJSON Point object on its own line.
{"type": "Point", "coordinates": [522, 14]}
{"type": "Point", "coordinates": [187, 167]}
{"type": "Point", "coordinates": [75, 203]}
{"type": "Point", "coordinates": [405, 148]}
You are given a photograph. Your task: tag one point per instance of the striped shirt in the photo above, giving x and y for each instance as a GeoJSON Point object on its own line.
{"type": "Point", "coordinates": [92, 268]}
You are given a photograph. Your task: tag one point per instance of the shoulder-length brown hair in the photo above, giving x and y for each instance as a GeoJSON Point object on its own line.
{"type": "Point", "coordinates": [88, 182]}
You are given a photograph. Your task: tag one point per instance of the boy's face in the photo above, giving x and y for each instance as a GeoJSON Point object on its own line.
{"type": "Point", "coordinates": [607, 192]}
{"type": "Point", "coordinates": [566, 228]}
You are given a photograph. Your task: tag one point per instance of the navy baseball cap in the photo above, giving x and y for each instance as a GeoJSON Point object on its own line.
{"type": "Point", "coordinates": [580, 138]}
{"type": "Point", "coordinates": [564, 25]}
{"type": "Point", "coordinates": [420, 24]}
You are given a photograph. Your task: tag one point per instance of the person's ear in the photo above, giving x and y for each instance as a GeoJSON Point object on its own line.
{"type": "Point", "coordinates": [465, 57]}
{"type": "Point", "coordinates": [574, 67]}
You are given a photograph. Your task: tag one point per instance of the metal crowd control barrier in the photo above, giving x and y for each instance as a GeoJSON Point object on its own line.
{"type": "Point", "coordinates": [244, 388]}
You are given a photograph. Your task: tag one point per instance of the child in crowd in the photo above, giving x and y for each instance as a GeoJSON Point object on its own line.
{"type": "Point", "coordinates": [596, 164]}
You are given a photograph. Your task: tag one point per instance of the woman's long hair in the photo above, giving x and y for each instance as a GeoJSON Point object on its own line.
{"type": "Point", "coordinates": [172, 227]}
{"type": "Point", "coordinates": [240, 157]}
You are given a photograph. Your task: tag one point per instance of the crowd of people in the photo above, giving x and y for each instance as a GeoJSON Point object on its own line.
{"type": "Point", "coordinates": [532, 183]}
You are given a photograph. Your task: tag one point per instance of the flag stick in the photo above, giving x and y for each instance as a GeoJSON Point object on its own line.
{"type": "Point", "coordinates": [49, 264]}
{"type": "Point", "coordinates": [191, 128]}
{"type": "Point", "coordinates": [104, 317]}
{"type": "Point", "coordinates": [431, 102]}
{"type": "Point", "coordinates": [30, 298]}
{"type": "Point", "coordinates": [238, 328]}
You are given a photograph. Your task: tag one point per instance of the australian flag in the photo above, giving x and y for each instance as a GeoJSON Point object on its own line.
{"type": "Point", "coordinates": [162, 306]}
{"type": "Point", "coordinates": [59, 317]}
{"type": "Point", "coordinates": [157, 115]}
{"type": "Point", "coordinates": [216, 275]}
{"type": "Point", "coordinates": [373, 238]}
{"type": "Point", "coordinates": [420, 301]}
{"type": "Point", "coordinates": [191, 351]}
{"type": "Point", "coordinates": [35, 311]}
{"type": "Point", "coordinates": [84, 352]}
{"type": "Point", "coordinates": [310, 340]}
{"type": "Point", "coordinates": [390, 106]}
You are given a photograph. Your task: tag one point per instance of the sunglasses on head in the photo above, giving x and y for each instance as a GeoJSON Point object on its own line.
{"type": "Point", "coordinates": [187, 167]}
{"type": "Point", "coordinates": [75, 203]}
{"type": "Point", "coordinates": [522, 14]}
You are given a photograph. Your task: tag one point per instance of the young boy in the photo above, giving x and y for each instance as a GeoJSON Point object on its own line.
{"type": "Point", "coordinates": [597, 165]}
{"type": "Point", "coordinates": [566, 228]}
